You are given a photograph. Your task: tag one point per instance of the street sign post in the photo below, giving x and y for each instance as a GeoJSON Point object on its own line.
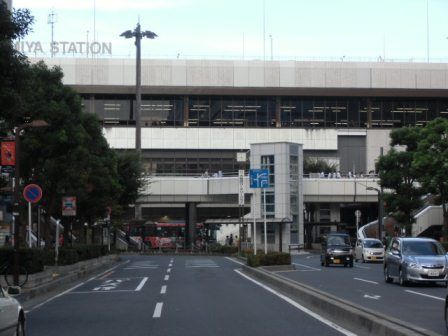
{"type": "Point", "coordinates": [32, 194]}
{"type": "Point", "coordinates": [259, 178]}
{"type": "Point", "coordinates": [69, 206]}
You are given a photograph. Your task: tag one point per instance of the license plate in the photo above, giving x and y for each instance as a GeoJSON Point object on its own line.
{"type": "Point", "coordinates": [336, 261]}
{"type": "Point", "coordinates": [433, 273]}
{"type": "Point", "coordinates": [373, 258]}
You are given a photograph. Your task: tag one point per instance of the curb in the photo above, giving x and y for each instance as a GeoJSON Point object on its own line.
{"type": "Point", "coordinates": [347, 314]}
{"type": "Point", "coordinates": [70, 276]}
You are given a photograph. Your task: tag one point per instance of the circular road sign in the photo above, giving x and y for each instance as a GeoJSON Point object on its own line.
{"type": "Point", "coordinates": [32, 193]}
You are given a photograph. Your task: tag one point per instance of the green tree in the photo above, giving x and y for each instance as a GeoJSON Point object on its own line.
{"type": "Point", "coordinates": [397, 174]}
{"type": "Point", "coordinates": [431, 161]}
{"type": "Point", "coordinates": [312, 165]}
{"type": "Point", "coordinates": [13, 66]}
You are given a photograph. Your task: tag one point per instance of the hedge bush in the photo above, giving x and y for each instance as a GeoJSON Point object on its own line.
{"type": "Point", "coordinates": [272, 258]}
{"type": "Point", "coordinates": [224, 249]}
{"type": "Point", "coordinates": [35, 259]}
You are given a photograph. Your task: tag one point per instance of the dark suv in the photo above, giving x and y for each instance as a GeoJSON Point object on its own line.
{"type": "Point", "coordinates": [336, 249]}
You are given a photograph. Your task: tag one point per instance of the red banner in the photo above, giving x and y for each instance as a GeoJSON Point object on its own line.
{"type": "Point", "coordinates": [8, 152]}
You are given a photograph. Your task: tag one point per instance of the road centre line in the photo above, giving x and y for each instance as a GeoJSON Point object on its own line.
{"type": "Point", "coordinates": [298, 306]}
{"type": "Point", "coordinates": [141, 284]}
{"type": "Point", "coordinates": [167, 277]}
{"type": "Point", "coordinates": [422, 294]}
{"type": "Point", "coordinates": [74, 287]}
{"type": "Point", "coordinates": [313, 268]}
{"type": "Point", "coordinates": [168, 270]}
{"type": "Point", "coordinates": [158, 310]}
{"type": "Point", "coordinates": [364, 280]}
{"type": "Point", "coordinates": [170, 265]}
{"type": "Point", "coordinates": [163, 290]}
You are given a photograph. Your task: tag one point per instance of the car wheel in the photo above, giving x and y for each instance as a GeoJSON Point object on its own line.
{"type": "Point", "coordinates": [20, 329]}
{"type": "Point", "coordinates": [401, 279]}
{"type": "Point", "coordinates": [387, 278]}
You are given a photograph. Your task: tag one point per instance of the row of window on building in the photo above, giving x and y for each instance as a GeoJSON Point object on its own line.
{"type": "Point", "coordinates": [240, 111]}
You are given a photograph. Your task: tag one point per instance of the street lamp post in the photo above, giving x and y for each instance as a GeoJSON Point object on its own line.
{"type": "Point", "coordinates": [16, 212]}
{"type": "Point", "coordinates": [380, 209]}
{"type": "Point", "coordinates": [138, 34]}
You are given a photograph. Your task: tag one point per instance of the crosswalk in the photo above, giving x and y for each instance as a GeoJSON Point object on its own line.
{"type": "Point", "coordinates": [142, 265]}
{"type": "Point", "coordinates": [200, 263]}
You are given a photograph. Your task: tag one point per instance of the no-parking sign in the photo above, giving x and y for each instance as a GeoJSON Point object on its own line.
{"type": "Point", "coordinates": [32, 193]}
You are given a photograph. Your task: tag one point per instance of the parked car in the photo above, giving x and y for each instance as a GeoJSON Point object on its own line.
{"type": "Point", "coordinates": [336, 249]}
{"type": "Point", "coordinates": [12, 315]}
{"type": "Point", "coordinates": [420, 260]}
{"type": "Point", "coordinates": [369, 249]}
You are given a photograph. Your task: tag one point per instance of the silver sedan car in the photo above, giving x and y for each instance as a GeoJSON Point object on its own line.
{"type": "Point", "coordinates": [415, 260]}
{"type": "Point", "coordinates": [12, 316]}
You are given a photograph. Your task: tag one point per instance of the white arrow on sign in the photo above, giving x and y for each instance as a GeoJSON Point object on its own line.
{"type": "Point", "coordinates": [374, 297]}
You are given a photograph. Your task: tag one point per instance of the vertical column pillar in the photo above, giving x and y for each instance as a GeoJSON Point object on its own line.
{"type": "Point", "coordinates": [278, 117]}
{"type": "Point", "coordinates": [186, 105]}
{"type": "Point", "coordinates": [190, 227]}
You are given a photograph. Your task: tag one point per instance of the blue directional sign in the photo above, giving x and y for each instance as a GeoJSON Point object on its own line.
{"type": "Point", "coordinates": [259, 178]}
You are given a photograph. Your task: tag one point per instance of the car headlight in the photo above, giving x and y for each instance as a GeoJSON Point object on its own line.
{"type": "Point", "coordinates": [414, 265]}
{"type": "Point", "coordinates": [330, 251]}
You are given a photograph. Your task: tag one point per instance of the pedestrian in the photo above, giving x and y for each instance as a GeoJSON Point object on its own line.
{"type": "Point", "coordinates": [231, 240]}
{"type": "Point", "coordinates": [227, 240]}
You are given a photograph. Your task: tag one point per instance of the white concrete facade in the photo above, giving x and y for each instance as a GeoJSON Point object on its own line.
{"type": "Point", "coordinates": [259, 74]}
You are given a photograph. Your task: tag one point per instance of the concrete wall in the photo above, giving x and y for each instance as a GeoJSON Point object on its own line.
{"type": "Point", "coordinates": [375, 139]}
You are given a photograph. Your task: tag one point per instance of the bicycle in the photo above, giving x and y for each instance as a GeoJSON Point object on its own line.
{"type": "Point", "coordinates": [7, 273]}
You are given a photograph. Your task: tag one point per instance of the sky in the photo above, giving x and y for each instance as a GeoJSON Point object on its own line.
{"type": "Point", "coordinates": [352, 30]}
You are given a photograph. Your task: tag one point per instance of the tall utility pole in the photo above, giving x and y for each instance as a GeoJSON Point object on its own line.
{"type": "Point", "coordinates": [138, 34]}
{"type": "Point", "coordinates": [52, 20]}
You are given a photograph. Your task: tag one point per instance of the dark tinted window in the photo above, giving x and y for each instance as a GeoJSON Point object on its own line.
{"type": "Point", "coordinates": [373, 244]}
{"type": "Point", "coordinates": [422, 248]}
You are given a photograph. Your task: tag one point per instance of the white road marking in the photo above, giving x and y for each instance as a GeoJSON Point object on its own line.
{"type": "Point", "coordinates": [298, 306]}
{"type": "Point", "coordinates": [422, 294]}
{"type": "Point", "coordinates": [170, 265]}
{"type": "Point", "coordinates": [167, 277]}
{"type": "Point", "coordinates": [168, 270]}
{"type": "Point", "coordinates": [235, 261]}
{"type": "Point", "coordinates": [364, 280]}
{"type": "Point", "coordinates": [202, 266]}
{"type": "Point", "coordinates": [106, 275]}
{"type": "Point", "coordinates": [74, 287]}
{"type": "Point", "coordinates": [141, 284]}
{"type": "Point", "coordinates": [375, 297]}
{"type": "Point", "coordinates": [141, 267]}
{"type": "Point", "coordinates": [313, 268]}
{"type": "Point", "coordinates": [163, 290]}
{"type": "Point", "coordinates": [158, 310]}
{"type": "Point", "coordinates": [363, 267]}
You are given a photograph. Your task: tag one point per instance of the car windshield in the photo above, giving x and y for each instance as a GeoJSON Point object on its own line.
{"type": "Point", "coordinates": [423, 248]}
{"type": "Point", "coordinates": [373, 244]}
{"type": "Point", "coordinates": [338, 240]}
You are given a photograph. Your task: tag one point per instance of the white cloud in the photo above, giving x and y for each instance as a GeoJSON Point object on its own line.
{"type": "Point", "coordinates": [100, 4]}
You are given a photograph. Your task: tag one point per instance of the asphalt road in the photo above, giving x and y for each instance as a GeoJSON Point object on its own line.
{"type": "Point", "coordinates": [364, 285]}
{"type": "Point", "coordinates": [173, 295]}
